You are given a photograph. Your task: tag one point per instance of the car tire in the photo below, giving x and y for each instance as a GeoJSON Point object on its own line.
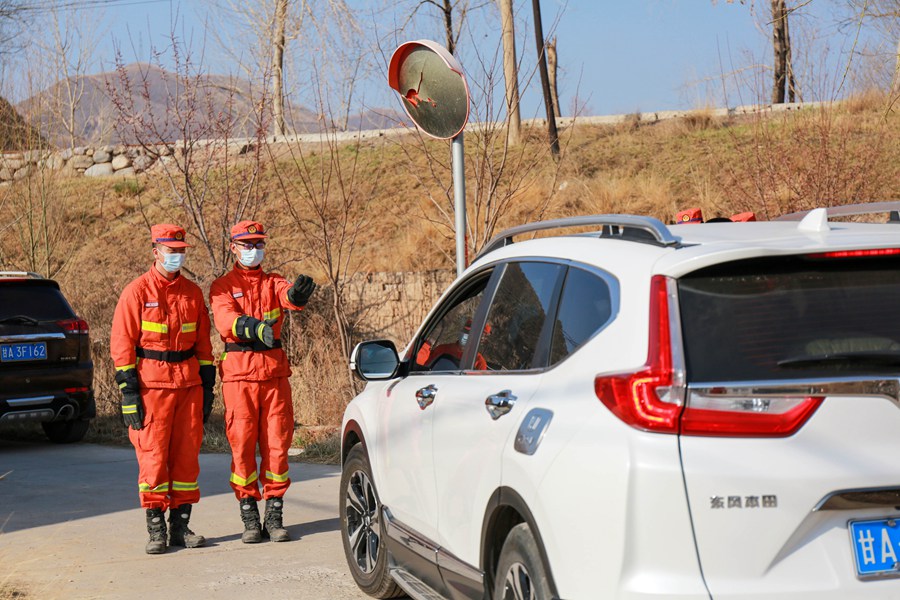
{"type": "Point", "coordinates": [362, 528]}
{"type": "Point", "coordinates": [66, 432]}
{"type": "Point", "coordinates": [520, 570]}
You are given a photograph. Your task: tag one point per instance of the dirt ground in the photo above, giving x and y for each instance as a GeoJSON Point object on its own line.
{"type": "Point", "coordinates": [71, 527]}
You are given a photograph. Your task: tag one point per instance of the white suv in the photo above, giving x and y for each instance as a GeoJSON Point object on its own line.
{"type": "Point", "coordinates": [701, 411]}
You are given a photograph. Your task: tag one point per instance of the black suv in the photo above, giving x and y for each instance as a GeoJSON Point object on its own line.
{"type": "Point", "coordinates": [46, 372]}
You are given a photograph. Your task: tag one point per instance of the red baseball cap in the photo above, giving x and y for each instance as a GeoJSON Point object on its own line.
{"type": "Point", "coordinates": [248, 230]}
{"type": "Point", "coordinates": [743, 217]}
{"type": "Point", "coordinates": [169, 235]}
{"type": "Point", "coordinates": [690, 215]}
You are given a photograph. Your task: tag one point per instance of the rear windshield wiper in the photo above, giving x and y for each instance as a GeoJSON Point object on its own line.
{"type": "Point", "coordinates": [21, 319]}
{"type": "Point", "coordinates": [861, 357]}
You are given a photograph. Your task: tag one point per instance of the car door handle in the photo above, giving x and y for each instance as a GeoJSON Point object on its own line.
{"type": "Point", "coordinates": [425, 396]}
{"type": "Point", "coordinates": [500, 403]}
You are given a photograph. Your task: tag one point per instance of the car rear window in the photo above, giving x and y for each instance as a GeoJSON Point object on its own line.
{"type": "Point", "coordinates": [791, 318]}
{"type": "Point", "coordinates": [41, 302]}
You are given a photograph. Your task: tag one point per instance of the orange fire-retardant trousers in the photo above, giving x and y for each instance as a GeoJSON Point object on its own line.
{"type": "Point", "coordinates": [259, 412]}
{"type": "Point", "coordinates": [168, 446]}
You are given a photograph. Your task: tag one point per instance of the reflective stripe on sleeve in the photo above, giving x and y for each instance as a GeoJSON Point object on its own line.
{"type": "Point", "coordinates": [205, 362]}
{"type": "Point", "coordinates": [155, 327]}
{"type": "Point", "coordinates": [188, 327]}
{"type": "Point", "coordinates": [144, 488]}
{"type": "Point", "coordinates": [238, 480]}
{"type": "Point", "coordinates": [277, 478]}
{"type": "Point", "coordinates": [125, 367]}
{"type": "Point", "coordinates": [272, 314]}
{"type": "Point", "coordinates": [185, 486]}
{"type": "Point", "coordinates": [129, 409]}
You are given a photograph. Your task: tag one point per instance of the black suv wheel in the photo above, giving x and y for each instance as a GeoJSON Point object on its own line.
{"type": "Point", "coordinates": [362, 528]}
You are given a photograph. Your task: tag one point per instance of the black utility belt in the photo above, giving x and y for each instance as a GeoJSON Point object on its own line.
{"type": "Point", "coordinates": [255, 346]}
{"type": "Point", "coordinates": [172, 356]}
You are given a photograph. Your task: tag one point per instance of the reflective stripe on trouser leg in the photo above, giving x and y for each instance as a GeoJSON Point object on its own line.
{"type": "Point", "coordinates": [241, 400]}
{"type": "Point", "coordinates": [151, 446]}
{"type": "Point", "coordinates": [276, 431]}
{"type": "Point", "coordinates": [184, 446]}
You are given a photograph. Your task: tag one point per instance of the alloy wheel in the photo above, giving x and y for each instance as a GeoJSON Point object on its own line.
{"type": "Point", "coordinates": [362, 521]}
{"type": "Point", "coordinates": [518, 583]}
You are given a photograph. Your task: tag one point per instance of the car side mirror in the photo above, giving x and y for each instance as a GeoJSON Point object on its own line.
{"type": "Point", "coordinates": [376, 360]}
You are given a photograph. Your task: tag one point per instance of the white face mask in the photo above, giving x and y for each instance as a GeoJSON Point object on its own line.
{"type": "Point", "coordinates": [251, 257]}
{"type": "Point", "coordinates": [171, 262]}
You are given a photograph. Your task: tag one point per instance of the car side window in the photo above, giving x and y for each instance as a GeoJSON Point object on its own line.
{"type": "Point", "coordinates": [517, 315]}
{"type": "Point", "coordinates": [441, 347]}
{"type": "Point", "coordinates": [585, 306]}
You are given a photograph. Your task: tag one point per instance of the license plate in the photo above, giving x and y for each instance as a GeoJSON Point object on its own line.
{"type": "Point", "coordinates": [876, 548]}
{"type": "Point", "coordinates": [17, 352]}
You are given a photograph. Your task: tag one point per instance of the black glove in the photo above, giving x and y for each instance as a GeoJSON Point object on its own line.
{"type": "Point", "coordinates": [131, 405]}
{"type": "Point", "coordinates": [301, 291]}
{"type": "Point", "coordinates": [250, 329]}
{"type": "Point", "coordinates": [208, 377]}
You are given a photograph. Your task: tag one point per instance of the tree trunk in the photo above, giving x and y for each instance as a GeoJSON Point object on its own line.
{"type": "Point", "coordinates": [545, 80]}
{"type": "Point", "coordinates": [552, 66]}
{"type": "Point", "coordinates": [792, 92]}
{"type": "Point", "coordinates": [510, 71]}
{"type": "Point", "coordinates": [895, 87]}
{"type": "Point", "coordinates": [278, 66]}
{"type": "Point", "coordinates": [448, 26]}
{"type": "Point", "coordinates": [779, 50]}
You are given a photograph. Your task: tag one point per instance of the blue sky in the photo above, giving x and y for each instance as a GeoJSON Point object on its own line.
{"type": "Point", "coordinates": [616, 56]}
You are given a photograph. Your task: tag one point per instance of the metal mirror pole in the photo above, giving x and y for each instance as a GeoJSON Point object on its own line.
{"type": "Point", "coordinates": [459, 201]}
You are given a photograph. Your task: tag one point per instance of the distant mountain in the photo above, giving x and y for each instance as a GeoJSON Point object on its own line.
{"type": "Point", "coordinates": [150, 94]}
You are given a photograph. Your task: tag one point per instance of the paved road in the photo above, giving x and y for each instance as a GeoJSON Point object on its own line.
{"type": "Point", "coordinates": [71, 527]}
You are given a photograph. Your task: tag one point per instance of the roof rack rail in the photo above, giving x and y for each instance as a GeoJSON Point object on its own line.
{"type": "Point", "coordinates": [862, 208]}
{"type": "Point", "coordinates": [21, 274]}
{"type": "Point", "coordinates": [649, 230]}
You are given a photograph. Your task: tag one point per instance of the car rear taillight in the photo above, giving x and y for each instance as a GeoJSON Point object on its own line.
{"type": "Point", "coordinates": [74, 326]}
{"type": "Point", "coordinates": [652, 398]}
{"type": "Point", "coordinates": [647, 399]}
{"type": "Point", "coordinates": [76, 390]}
{"type": "Point", "coordinates": [856, 253]}
{"type": "Point", "coordinates": [708, 414]}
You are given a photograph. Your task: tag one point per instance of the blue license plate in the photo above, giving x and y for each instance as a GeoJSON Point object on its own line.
{"type": "Point", "coordinates": [29, 351]}
{"type": "Point", "coordinates": [876, 546]}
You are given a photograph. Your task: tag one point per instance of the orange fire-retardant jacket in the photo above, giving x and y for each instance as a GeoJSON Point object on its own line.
{"type": "Point", "coordinates": [254, 293]}
{"type": "Point", "coordinates": [157, 314]}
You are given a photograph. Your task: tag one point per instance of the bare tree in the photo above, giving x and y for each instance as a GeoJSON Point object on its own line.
{"type": "Point", "coordinates": [201, 166]}
{"type": "Point", "coordinates": [69, 50]}
{"type": "Point", "coordinates": [281, 9]}
{"type": "Point", "coordinates": [545, 78]}
{"type": "Point", "coordinates": [510, 70]}
{"type": "Point", "coordinates": [552, 68]}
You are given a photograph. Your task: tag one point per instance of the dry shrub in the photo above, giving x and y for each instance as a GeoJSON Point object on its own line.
{"type": "Point", "coordinates": [872, 99]}
{"type": "Point", "coordinates": [797, 161]}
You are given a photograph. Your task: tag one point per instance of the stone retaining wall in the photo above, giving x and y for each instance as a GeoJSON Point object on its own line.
{"type": "Point", "coordinates": [99, 161]}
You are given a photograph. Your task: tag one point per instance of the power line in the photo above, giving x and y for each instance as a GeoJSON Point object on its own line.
{"type": "Point", "coordinates": [45, 7]}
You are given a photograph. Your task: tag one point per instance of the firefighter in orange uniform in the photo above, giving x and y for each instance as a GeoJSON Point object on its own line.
{"type": "Point", "coordinates": [162, 353]}
{"type": "Point", "coordinates": [247, 305]}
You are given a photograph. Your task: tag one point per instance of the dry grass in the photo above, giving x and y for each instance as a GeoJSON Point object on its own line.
{"type": "Point", "coordinates": [97, 229]}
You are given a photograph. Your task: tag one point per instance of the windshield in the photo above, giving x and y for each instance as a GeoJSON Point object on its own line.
{"type": "Point", "coordinates": [790, 318]}
{"type": "Point", "coordinates": [40, 302]}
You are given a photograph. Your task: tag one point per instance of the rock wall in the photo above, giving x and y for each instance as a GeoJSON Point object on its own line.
{"type": "Point", "coordinates": [393, 305]}
{"type": "Point", "coordinates": [99, 161]}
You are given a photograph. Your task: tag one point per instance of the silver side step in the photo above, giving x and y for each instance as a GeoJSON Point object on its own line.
{"type": "Point", "coordinates": [414, 587]}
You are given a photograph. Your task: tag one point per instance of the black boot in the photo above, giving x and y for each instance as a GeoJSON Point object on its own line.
{"type": "Point", "coordinates": [274, 528]}
{"type": "Point", "coordinates": [156, 527]}
{"type": "Point", "coordinates": [250, 516]}
{"type": "Point", "coordinates": [179, 532]}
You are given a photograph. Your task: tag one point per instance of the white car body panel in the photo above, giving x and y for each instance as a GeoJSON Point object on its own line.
{"type": "Point", "coordinates": [623, 513]}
